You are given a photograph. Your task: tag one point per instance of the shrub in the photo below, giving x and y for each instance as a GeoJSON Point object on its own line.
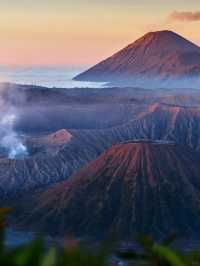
{"type": "Point", "coordinates": [71, 254]}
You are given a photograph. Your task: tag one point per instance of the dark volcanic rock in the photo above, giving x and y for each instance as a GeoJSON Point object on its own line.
{"type": "Point", "coordinates": [51, 159]}
{"type": "Point", "coordinates": [165, 122]}
{"type": "Point", "coordinates": [150, 187]}
{"type": "Point", "coordinates": [177, 123]}
{"type": "Point", "coordinates": [157, 59]}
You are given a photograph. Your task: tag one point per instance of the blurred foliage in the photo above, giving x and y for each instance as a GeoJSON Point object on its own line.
{"type": "Point", "coordinates": [36, 253]}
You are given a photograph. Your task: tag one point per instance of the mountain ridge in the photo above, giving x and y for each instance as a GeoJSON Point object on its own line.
{"type": "Point", "coordinates": [157, 56]}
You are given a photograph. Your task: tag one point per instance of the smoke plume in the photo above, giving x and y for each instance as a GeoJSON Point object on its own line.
{"type": "Point", "coordinates": [10, 141]}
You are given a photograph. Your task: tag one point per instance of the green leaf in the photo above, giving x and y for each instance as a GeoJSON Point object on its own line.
{"type": "Point", "coordinates": [30, 254]}
{"type": "Point", "coordinates": [50, 258]}
{"type": "Point", "coordinates": [168, 255]}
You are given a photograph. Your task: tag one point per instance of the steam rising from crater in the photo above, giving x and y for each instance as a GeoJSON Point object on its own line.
{"type": "Point", "coordinates": [10, 141]}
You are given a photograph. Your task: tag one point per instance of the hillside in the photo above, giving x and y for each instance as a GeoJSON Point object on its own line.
{"type": "Point", "coordinates": [139, 186]}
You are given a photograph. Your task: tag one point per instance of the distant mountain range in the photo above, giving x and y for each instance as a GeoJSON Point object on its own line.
{"type": "Point", "coordinates": [158, 59]}
{"type": "Point", "coordinates": [133, 187]}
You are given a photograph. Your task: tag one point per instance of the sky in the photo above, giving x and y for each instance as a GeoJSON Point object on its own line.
{"type": "Point", "coordinates": [83, 32]}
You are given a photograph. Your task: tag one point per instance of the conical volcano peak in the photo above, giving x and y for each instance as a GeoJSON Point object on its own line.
{"type": "Point", "coordinates": [165, 40]}
{"type": "Point", "coordinates": [126, 190]}
{"type": "Point", "coordinates": [153, 35]}
{"type": "Point", "coordinates": [158, 59]}
{"type": "Point", "coordinates": [162, 34]}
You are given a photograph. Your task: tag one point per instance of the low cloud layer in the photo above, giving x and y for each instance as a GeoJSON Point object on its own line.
{"type": "Point", "coordinates": [185, 16]}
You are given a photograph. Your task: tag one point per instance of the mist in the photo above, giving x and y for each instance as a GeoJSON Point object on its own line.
{"type": "Point", "coordinates": [154, 82]}
{"type": "Point", "coordinates": [10, 141]}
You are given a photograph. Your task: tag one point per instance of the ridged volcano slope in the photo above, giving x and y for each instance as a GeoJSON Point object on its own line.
{"type": "Point", "coordinates": [150, 187]}
{"type": "Point", "coordinates": [56, 156]}
{"type": "Point", "coordinates": [51, 158]}
{"type": "Point", "coordinates": [162, 55]}
{"type": "Point", "coordinates": [167, 122]}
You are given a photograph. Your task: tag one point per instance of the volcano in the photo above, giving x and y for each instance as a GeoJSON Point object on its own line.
{"type": "Point", "coordinates": [135, 187]}
{"type": "Point", "coordinates": [162, 58]}
{"type": "Point", "coordinates": [50, 159]}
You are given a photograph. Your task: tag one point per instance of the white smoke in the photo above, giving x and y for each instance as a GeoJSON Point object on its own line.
{"type": "Point", "coordinates": [10, 141]}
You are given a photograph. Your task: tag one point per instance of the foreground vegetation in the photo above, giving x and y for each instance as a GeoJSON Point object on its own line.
{"type": "Point", "coordinates": [36, 253]}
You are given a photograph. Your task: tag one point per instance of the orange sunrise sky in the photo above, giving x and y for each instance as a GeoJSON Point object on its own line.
{"type": "Point", "coordinates": [83, 32]}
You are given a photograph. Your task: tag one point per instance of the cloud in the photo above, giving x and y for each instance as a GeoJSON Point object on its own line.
{"type": "Point", "coordinates": [185, 16]}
